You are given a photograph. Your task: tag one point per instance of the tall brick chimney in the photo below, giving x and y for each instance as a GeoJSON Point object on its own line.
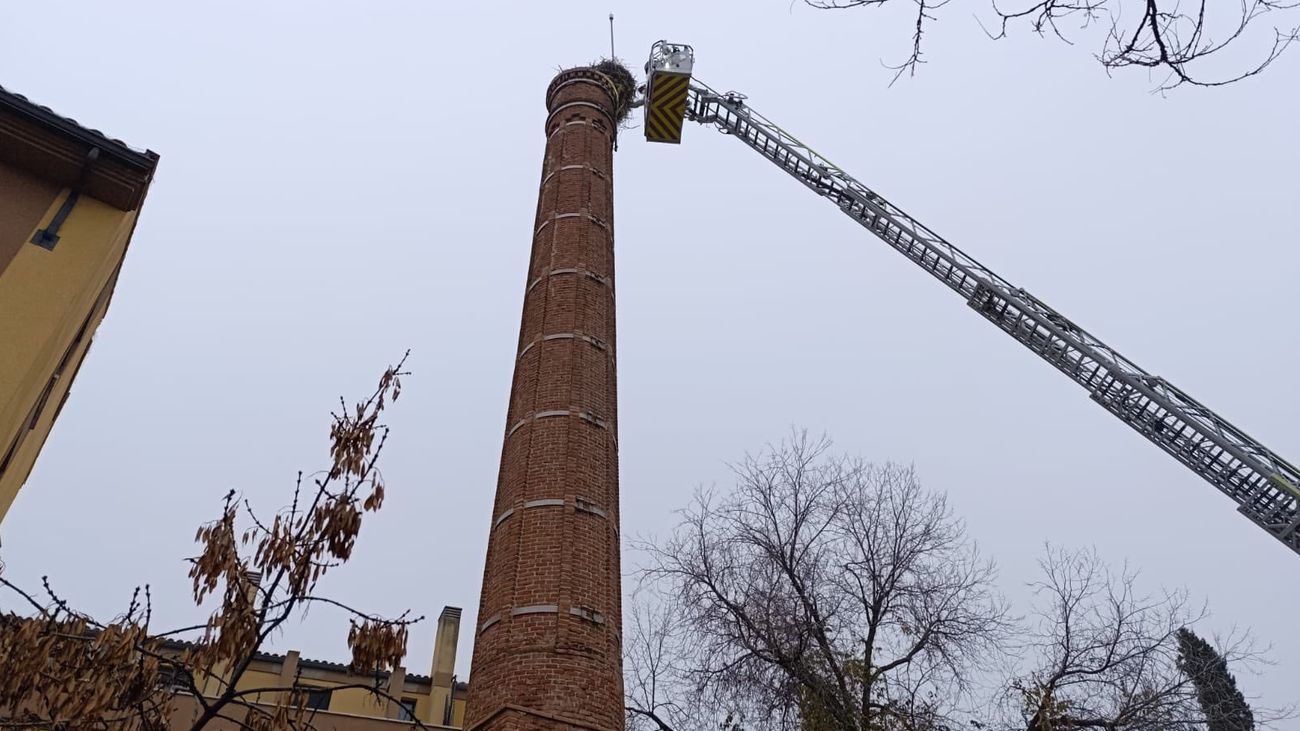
{"type": "Point", "coordinates": [548, 650]}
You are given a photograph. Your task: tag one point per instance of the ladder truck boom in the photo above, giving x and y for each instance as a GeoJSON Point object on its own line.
{"type": "Point", "coordinates": [1265, 487]}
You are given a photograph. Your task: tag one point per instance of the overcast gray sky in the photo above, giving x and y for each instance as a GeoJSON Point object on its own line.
{"type": "Point", "coordinates": [341, 182]}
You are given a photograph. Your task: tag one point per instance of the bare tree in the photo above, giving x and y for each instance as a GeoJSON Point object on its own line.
{"type": "Point", "coordinates": [1099, 654]}
{"type": "Point", "coordinates": [659, 661]}
{"type": "Point", "coordinates": [62, 669]}
{"type": "Point", "coordinates": [1179, 38]}
{"type": "Point", "coordinates": [824, 592]}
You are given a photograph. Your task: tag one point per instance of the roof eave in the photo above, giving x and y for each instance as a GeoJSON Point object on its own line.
{"type": "Point", "coordinates": [57, 148]}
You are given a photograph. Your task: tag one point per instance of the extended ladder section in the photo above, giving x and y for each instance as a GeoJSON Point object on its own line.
{"type": "Point", "coordinates": [1264, 486]}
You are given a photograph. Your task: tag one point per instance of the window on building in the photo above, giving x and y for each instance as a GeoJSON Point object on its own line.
{"type": "Point", "coordinates": [319, 698]}
{"type": "Point", "coordinates": [315, 699]}
{"type": "Point", "coordinates": [174, 677]}
{"type": "Point", "coordinates": [407, 710]}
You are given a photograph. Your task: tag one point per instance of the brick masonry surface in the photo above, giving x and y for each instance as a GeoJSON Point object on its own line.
{"type": "Point", "coordinates": [547, 652]}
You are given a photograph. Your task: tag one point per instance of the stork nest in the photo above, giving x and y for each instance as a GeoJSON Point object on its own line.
{"type": "Point", "coordinates": [623, 85]}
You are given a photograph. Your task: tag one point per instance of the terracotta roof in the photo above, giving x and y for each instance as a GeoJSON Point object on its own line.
{"type": "Point", "coordinates": [19, 99]}
{"type": "Point", "coordinates": [45, 143]}
{"type": "Point", "coordinates": [318, 664]}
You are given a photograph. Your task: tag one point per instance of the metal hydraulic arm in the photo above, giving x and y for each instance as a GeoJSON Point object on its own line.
{"type": "Point", "coordinates": [1265, 487]}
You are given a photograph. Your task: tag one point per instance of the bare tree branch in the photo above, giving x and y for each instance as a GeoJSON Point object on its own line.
{"type": "Point", "coordinates": [1180, 38]}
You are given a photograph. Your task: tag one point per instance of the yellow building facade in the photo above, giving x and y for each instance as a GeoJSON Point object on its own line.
{"type": "Point", "coordinates": [69, 200]}
{"type": "Point", "coordinates": [330, 690]}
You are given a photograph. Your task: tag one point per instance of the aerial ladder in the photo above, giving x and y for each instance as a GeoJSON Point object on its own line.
{"type": "Point", "coordinates": [1265, 487]}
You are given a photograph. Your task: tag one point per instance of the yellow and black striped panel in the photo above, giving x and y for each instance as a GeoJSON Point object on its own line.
{"type": "Point", "coordinates": [666, 107]}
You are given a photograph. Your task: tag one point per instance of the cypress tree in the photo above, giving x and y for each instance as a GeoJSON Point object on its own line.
{"type": "Point", "coordinates": [1224, 706]}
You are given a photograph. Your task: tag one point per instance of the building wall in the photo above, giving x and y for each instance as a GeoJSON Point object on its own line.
{"type": "Point", "coordinates": [51, 302]}
{"type": "Point", "coordinates": [24, 201]}
{"type": "Point", "coordinates": [279, 672]}
{"type": "Point", "coordinates": [348, 703]}
{"type": "Point", "coordinates": [186, 709]}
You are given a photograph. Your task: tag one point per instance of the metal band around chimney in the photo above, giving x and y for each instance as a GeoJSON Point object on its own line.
{"type": "Point", "coordinates": [489, 622]}
{"type": "Point", "coordinates": [545, 502]}
{"type": "Point", "coordinates": [579, 103]}
{"type": "Point", "coordinates": [594, 171]}
{"type": "Point", "coordinates": [553, 217]}
{"type": "Point", "coordinates": [551, 502]}
{"type": "Point", "coordinates": [557, 216]}
{"type": "Point", "coordinates": [596, 343]}
{"type": "Point", "coordinates": [572, 77]}
{"type": "Point", "coordinates": [587, 613]}
{"type": "Point", "coordinates": [584, 505]}
{"type": "Point", "coordinates": [578, 75]}
{"type": "Point", "coordinates": [570, 270]}
{"type": "Point", "coordinates": [582, 122]}
{"type": "Point", "coordinates": [575, 76]}
{"type": "Point", "coordinates": [535, 609]}
{"type": "Point", "coordinates": [551, 273]}
{"type": "Point", "coordinates": [534, 417]}
{"type": "Point", "coordinates": [598, 277]}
